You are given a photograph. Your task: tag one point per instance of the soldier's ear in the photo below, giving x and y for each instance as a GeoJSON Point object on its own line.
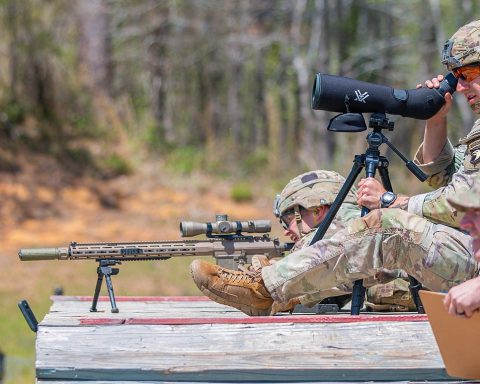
{"type": "Point", "coordinates": [317, 211]}
{"type": "Point", "coordinates": [321, 211]}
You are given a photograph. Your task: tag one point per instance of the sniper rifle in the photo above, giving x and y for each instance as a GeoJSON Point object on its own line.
{"type": "Point", "coordinates": [225, 242]}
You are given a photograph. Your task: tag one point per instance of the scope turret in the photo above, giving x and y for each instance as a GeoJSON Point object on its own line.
{"type": "Point", "coordinates": [224, 227]}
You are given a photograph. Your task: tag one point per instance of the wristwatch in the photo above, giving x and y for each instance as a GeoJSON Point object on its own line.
{"type": "Point", "coordinates": [387, 199]}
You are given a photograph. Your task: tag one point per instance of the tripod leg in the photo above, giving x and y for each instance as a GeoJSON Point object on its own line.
{"type": "Point", "coordinates": [332, 211]}
{"type": "Point", "coordinates": [416, 286]}
{"type": "Point", "coordinates": [358, 297]}
{"type": "Point", "coordinates": [383, 171]}
{"type": "Point", "coordinates": [97, 289]}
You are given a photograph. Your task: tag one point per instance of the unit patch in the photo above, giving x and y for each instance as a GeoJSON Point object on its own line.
{"type": "Point", "coordinates": [474, 151]}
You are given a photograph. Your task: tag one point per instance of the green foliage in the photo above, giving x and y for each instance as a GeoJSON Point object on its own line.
{"type": "Point", "coordinates": [151, 137]}
{"type": "Point", "coordinates": [115, 165]}
{"type": "Point", "coordinates": [185, 160]}
{"type": "Point", "coordinates": [241, 192]}
{"type": "Point", "coordinates": [14, 112]}
{"type": "Point", "coordinates": [256, 162]}
{"type": "Point", "coordinates": [80, 156]}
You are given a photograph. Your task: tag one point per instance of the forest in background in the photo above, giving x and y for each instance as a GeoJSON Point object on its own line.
{"type": "Point", "coordinates": [120, 118]}
{"type": "Point", "coordinates": [221, 86]}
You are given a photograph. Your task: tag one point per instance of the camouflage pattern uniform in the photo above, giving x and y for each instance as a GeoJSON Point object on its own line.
{"type": "Point", "coordinates": [467, 200]}
{"type": "Point", "coordinates": [314, 189]}
{"type": "Point", "coordinates": [424, 240]}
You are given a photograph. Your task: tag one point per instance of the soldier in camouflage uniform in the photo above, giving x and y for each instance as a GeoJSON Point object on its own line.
{"type": "Point", "coordinates": [418, 234]}
{"type": "Point", "coordinates": [302, 205]}
{"type": "Point", "coordinates": [464, 299]}
{"type": "Point", "coordinates": [316, 191]}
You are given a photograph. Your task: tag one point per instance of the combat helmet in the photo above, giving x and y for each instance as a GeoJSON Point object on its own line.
{"type": "Point", "coordinates": [311, 189]}
{"type": "Point", "coordinates": [463, 48]}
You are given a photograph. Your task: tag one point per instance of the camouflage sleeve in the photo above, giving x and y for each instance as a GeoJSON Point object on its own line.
{"type": "Point", "coordinates": [434, 205]}
{"type": "Point", "coordinates": [440, 170]}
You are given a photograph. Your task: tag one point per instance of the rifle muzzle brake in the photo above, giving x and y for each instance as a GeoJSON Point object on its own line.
{"type": "Point", "coordinates": [191, 228]}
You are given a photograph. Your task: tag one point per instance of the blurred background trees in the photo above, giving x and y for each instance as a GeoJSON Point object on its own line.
{"type": "Point", "coordinates": [224, 86]}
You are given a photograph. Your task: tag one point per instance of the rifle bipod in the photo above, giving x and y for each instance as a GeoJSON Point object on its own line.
{"type": "Point", "coordinates": [105, 269]}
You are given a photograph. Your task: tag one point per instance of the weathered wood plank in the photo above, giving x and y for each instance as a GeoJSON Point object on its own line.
{"type": "Point", "coordinates": [65, 312]}
{"type": "Point", "coordinates": [147, 348]}
{"type": "Point", "coordinates": [273, 351]}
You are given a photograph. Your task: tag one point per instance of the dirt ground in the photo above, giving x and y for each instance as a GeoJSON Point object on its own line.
{"type": "Point", "coordinates": [42, 206]}
{"type": "Point", "coordinates": [52, 211]}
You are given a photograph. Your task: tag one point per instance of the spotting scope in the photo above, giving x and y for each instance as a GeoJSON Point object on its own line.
{"type": "Point", "coordinates": [224, 227]}
{"type": "Point", "coordinates": [342, 94]}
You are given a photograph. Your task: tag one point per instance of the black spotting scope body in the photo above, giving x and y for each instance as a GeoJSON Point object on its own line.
{"type": "Point", "coordinates": [342, 94]}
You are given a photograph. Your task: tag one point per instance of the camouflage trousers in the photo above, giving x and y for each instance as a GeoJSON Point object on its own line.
{"type": "Point", "coordinates": [436, 255]}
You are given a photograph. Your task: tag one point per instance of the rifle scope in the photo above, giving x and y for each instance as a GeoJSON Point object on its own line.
{"type": "Point", "coordinates": [224, 227]}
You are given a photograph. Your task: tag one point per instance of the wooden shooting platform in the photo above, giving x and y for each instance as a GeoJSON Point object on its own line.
{"type": "Point", "coordinates": [192, 339]}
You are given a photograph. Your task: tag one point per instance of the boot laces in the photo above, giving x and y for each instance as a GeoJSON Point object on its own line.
{"type": "Point", "coordinates": [245, 275]}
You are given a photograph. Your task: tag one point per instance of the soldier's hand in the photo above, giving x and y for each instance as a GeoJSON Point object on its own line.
{"type": "Point", "coordinates": [442, 112]}
{"type": "Point", "coordinates": [464, 299]}
{"type": "Point", "coordinates": [369, 192]}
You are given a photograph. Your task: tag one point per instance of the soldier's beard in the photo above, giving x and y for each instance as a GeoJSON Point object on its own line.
{"type": "Point", "coordinates": [476, 249]}
{"type": "Point", "coordinates": [476, 107]}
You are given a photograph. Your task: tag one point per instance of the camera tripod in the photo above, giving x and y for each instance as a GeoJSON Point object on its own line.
{"type": "Point", "coordinates": [371, 160]}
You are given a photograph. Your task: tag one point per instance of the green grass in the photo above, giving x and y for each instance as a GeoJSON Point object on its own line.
{"type": "Point", "coordinates": [241, 192]}
{"type": "Point", "coordinates": [17, 341]}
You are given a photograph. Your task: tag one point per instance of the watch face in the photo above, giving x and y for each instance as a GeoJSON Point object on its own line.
{"type": "Point", "coordinates": [388, 198]}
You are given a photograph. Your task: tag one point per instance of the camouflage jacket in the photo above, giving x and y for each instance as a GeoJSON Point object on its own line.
{"type": "Point", "coordinates": [451, 172]}
{"type": "Point", "coordinates": [345, 213]}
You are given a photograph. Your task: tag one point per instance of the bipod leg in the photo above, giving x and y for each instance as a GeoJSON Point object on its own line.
{"type": "Point", "coordinates": [98, 286]}
{"type": "Point", "coordinates": [105, 269]}
{"type": "Point", "coordinates": [111, 294]}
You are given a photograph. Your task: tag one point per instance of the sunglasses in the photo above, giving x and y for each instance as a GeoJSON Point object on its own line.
{"type": "Point", "coordinates": [467, 73]}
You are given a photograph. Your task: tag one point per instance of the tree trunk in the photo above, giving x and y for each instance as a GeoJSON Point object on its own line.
{"type": "Point", "coordinates": [95, 44]}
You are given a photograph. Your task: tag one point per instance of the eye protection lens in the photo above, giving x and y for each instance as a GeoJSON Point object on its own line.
{"type": "Point", "coordinates": [467, 73]}
{"type": "Point", "coordinates": [288, 216]}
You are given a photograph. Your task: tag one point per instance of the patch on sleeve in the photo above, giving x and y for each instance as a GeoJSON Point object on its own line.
{"type": "Point", "coordinates": [471, 161]}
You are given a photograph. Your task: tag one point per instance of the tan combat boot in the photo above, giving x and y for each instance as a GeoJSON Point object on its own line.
{"type": "Point", "coordinates": [243, 290]}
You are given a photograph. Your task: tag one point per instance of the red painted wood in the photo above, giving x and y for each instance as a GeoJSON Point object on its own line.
{"type": "Point", "coordinates": [132, 298]}
{"type": "Point", "coordinates": [341, 318]}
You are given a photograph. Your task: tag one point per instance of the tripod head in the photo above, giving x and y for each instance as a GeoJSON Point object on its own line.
{"type": "Point", "coordinates": [354, 122]}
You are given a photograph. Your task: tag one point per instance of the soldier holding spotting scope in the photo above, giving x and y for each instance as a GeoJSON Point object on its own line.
{"type": "Point", "coordinates": [418, 234]}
